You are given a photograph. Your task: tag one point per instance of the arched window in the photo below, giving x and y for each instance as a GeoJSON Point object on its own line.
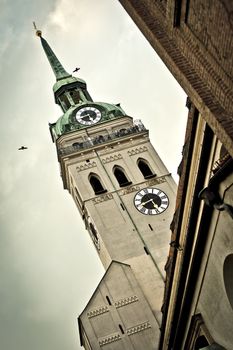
{"type": "Point", "coordinates": [121, 177]}
{"type": "Point", "coordinates": [228, 277]}
{"type": "Point", "coordinates": [75, 95]}
{"type": "Point", "coordinates": [145, 168]}
{"type": "Point", "coordinates": [201, 342]}
{"type": "Point", "coordinates": [64, 102]}
{"type": "Point", "coordinates": [96, 184]}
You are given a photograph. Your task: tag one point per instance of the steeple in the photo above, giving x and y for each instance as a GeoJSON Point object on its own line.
{"type": "Point", "coordinates": [71, 94]}
{"type": "Point", "coordinates": [68, 90]}
{"type": "Point", "coordinates": [58, 69]}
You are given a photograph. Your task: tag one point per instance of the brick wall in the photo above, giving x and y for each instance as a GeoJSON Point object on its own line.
{"type": "Point", "coordinates": [195, 40]}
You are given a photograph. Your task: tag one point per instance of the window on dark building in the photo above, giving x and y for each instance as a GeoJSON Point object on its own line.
{"type": "Point", "coordinates": [228, 277]}
{"type": "Point", "coordinates": [201, 342]}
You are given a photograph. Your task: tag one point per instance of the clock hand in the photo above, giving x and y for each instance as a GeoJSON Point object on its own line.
{"type": "Point", "coordinates": [89, 117]}
{"type": "Point", "coordinates": [150, 200]}
{"type": "Point", "coordinates": [85, 115]}
{"type": "Point", "coordinates": [155, 205]}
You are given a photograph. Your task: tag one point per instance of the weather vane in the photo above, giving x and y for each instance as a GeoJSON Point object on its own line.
{"type": "Point", "coordinates": [38, 32]}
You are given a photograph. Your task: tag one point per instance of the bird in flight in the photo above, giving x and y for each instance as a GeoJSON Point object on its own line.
{"type": "Point", "coordinates": [76, 69]}
{"type": "Point", "coordinates": [22, 148]}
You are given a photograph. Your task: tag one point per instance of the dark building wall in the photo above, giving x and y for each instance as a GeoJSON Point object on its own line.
{"type": "Point", "coordinates": [213, 301]}
{"type": "Point", "coordinates": [194, 38]}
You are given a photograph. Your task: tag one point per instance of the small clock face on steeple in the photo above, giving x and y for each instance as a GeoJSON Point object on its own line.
{"type": "Point", "coordinates": [151, 201]}
{"type": "Point", "coordinates": [88, 115]}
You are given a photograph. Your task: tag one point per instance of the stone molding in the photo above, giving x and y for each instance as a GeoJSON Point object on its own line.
{"type": "Point", "coordinates": [111, 158]}
{"type": "Point", "coordinates": [96, 312]}
{"type": "Point", "coordinates": [137, 150]}
{"type": "Point", "coordinates": [109, 339]}
{"type": "Point", "coordinates": [138, 328]}
{"type": "Point", "coordinates": [129, 189]}
{"type": "Point", "coordinates": [86, 166]}
{"type": "Point", "coordinates": [102, 198]}
{"type": "Point", "coordinates": [156, 181]}
{"type": "Point", "coordinates": [126, 301]}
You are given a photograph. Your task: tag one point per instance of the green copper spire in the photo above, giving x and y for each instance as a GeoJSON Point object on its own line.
{"type": "Point", "coordinates": [56, 65]}
{"type": "Point", "coordinates": [59, 71]}
{"type": "Point", "coordinates": [72, 96]}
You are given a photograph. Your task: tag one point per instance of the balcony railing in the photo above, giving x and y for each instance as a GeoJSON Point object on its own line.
{"type": "Point", "coordinates": [91, 142]}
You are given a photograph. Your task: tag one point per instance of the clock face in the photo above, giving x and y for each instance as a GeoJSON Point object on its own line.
{"type": "Point", "coordinates": [88, 115]}
{"type": "Point", "coordinates": [151, 201]}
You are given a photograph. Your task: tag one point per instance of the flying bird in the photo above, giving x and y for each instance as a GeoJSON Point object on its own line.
{"type": "Point", "coordinates": [22, 148]}
{"type": "Point", "coordinates": [76, 69]}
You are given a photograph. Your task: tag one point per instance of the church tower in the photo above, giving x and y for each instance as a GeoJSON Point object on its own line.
{"type": "Point", "coordinates": [125, 196]}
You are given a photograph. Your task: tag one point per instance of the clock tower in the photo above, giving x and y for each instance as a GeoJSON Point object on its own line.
{"type": "Point", "coordinates": [125, 196]}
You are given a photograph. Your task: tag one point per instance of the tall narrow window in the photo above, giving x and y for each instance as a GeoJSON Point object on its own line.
{"type": "Point", "coordinates": [121, 329]}
{"type": "Point", "coordinates": [108, 300]}
{"type": "Point", "coordinates": [228, 278]}
{"type": "Point", "coordinates": [201, 342]}
{"type": "Point", "coordinates": [145, 168]}
{"type": "Point", "coordinates": [64, 102]}
{"type": "Point", "coordinates": [96, 184]}
{"type": "Point", "coordinates": [121, 177]}
{"type": "Point", "coordinates": [75, 95]}
{"type": "Point", "coordinates": [122, 206]}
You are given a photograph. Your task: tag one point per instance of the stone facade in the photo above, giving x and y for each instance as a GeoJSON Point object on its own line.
{"type": "Point", "coordinates": [138, 240]}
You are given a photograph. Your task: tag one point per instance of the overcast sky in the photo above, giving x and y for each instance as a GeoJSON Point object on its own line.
{"type": "Point", "coordinates": [48, 266]}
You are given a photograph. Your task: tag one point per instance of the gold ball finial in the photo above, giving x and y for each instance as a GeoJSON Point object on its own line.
{"type": "Point", "coordinates": [39, 33]}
